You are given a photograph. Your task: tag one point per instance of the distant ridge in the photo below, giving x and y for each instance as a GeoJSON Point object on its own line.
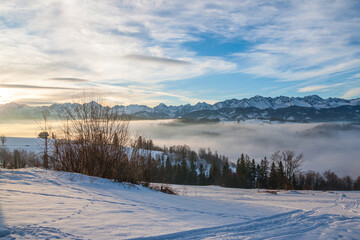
{"type": "Point", "coordinates": [310, 108]}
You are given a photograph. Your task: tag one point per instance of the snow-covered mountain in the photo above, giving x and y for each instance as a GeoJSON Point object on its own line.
{"type": "Point", "coordinates": [283, 102]}
{"type": "Point", "coordinates": [285, 108]}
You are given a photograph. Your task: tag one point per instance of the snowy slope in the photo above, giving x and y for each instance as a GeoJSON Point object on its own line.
{"type": "Point", "coordinates": [40, 204]}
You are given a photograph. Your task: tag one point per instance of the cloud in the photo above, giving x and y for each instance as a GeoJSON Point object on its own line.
{"type": "Point", "coordinates": [355, 92]}
{"type": "Point", "coordinates": [287, 41]}
{"type": "Point", "coordinates": [355, 76]}
{"type": "Point", "coordinates": [157, 60]}
{"type": "Point", "coordinates": [36, 102]}
{"type": "Point", "coordinates": [304, 40]}
{"type": "Point", "coordinates": [69, 79]}
{"type": "Point", "coordinates": [33, 87]}
{"type": "Point", "coordinates": [318, 87]}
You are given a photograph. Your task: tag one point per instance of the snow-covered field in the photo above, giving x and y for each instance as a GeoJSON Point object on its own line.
{"type": "Point", "coordinates": [28, 144]}
{"type": "Point", "coordinates": [41, 204]}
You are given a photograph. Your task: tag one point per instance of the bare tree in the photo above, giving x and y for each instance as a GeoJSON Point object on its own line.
{"type": "Point", "coordinates": [292, 163]}
{"type": "Point", "coordinates": [94, 141]}
{"type": "Point", "coordinates": [5, 157]}
{"type": "Point", "coordinates": [3, 139]}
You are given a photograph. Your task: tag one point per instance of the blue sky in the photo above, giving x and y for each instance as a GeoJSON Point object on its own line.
{"type": "Point", "coordinates": [177, 52]}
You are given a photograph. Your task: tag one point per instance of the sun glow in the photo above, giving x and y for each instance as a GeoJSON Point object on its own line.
{"type": "Point", "coordinates": [6, 96]}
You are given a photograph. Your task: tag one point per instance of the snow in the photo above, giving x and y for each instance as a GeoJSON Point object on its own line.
{"type": "Point", "coordinates": [36, 145]}
{"type": "Point", "coordinates": [27, 144]}
{"type": "Point", "coordinates": [42, 204]}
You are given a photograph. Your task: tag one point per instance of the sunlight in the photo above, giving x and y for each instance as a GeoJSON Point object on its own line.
{"type": "Point", "coordinates": [6, 95]}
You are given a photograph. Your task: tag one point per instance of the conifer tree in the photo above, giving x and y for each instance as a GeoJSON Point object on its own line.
{"type": "Point", "coordinates": [248, 180]}
{"type": "Point", "coordinates": [193, 173]}
{"type": "Point", "coordinates": [241, 172]}
{"type": "Point", "coordinates": [178, 174]}
{"type": "Point", "coordinates": [253, 174]}
{"type": "Point", "coordinates": [162, 169]}
{"type": "Point", "coordinates": [282, 183]}
{"type": "Point", "coordinates": [258, 180]}
{"type": "Point", "coordinates": [202, 177]}
{"type": "Point", "coordinates": [263, 173]}
{"type": "Point", "coordinates": [169, 171]}
{"type": "Point", "coordinates": [227, 175]}
{"type": "Point", "coordinates": [273, 178]}
{"type": "Point", "coordinates": [184, 172]}
{"type": "Point", "coordinates": [215, 175]}
{"type": "Point", "coordinates": [357, 184]}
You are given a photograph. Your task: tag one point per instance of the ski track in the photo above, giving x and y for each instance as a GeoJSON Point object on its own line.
{"type": "Point", "coordinates": [281, 226]}
{"type": "Point", "coordinates": [298, 224]}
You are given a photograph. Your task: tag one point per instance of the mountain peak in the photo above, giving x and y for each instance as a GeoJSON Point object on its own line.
{"type": "Point", "coordinates": [227, 108]}
{"type": "Point", "coordinates": [161, 105]}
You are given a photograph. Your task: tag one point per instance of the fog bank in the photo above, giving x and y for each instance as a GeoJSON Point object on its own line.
{"type": "Point", "coordinates": [325, 146]}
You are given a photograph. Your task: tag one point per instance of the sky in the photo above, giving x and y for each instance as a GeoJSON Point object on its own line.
{"type": "Point", "coordinates": [177, 52]}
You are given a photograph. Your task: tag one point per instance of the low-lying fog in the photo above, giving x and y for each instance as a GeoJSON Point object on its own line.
{"type": "Point", "coordinates": [325, 146]}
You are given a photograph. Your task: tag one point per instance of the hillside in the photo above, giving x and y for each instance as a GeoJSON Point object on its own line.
{"type": "Point", "coordinates": [41, 204]}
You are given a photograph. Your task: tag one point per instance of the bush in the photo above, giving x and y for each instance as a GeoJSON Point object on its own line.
{"type": "Point", "coordinates": [165, 188]}
{"type": "Point", "coordinates": [18, 159]}
{"type": "Point", "coordinates": [93, 142]}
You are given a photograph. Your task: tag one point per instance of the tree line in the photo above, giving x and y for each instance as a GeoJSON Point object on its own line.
{"type": "Point", "coordinates": [281, 172]}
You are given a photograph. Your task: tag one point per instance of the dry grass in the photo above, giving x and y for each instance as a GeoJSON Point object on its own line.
{"type": "Point", "coordinates": [165, 188]}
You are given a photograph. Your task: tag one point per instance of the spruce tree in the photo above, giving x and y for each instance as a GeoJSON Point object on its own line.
{"type": "Point", "coordinates": [202, 177]}
{"type": "Point", "coordinates": [253, 174]}
{"type": "Point", "coordinates": [281, 176]}
{"type": "Point", "coordinates": [215, 175]}
{"type": "Point", "coordinates": [357, 184]}
{"type": "Point", "coordinates": [178, 174]}
{"type": "Point", "coordinates": [263, 173]}
{"type": "Point", "coordinates": [227, 175]}
{"type": "Point", "coordinates": [258, 179]}
{"type": "Point", "coordinates": [193, 173]}
{"type": "Point", "coordinates": [169, 171]}
{"type": "Point", "coordinates": [184, 172]}
{"type": "Point", "coordinates": [241, 172]}
{"type": "Point", "coordinates": [273, 178]}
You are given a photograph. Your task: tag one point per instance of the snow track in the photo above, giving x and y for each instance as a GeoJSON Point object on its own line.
{"type": "Point", "coordinates": [40, 204]}
{"type": "Point", "coordinates": [290, 225]}
{"type": "Point", "coordinates": [39, 232]}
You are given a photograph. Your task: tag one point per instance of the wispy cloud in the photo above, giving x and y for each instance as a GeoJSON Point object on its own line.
{"type": "Point", "coordinates": [304, 40]}
{"type": "Point", "coordinates": [355, 76]}
{"type": "Point", "coordinates": [68, 79]}
{"type": "Point", "coordinates": [318, 87]}
{"type": "Point", "coordinates": [156, 60]}
{"type": "Point", "coordinates": [355, 92]}
{"type": "Point", "coordinates": [33, 87]}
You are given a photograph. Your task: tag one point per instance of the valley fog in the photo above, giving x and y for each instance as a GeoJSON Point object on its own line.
{"type": "Point", "coordinates": [325, 146]}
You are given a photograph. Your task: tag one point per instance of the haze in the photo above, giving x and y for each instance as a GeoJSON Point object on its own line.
{"type": "Point", "coordinates": [325, 146]}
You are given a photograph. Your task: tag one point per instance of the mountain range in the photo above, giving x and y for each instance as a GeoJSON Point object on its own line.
{"type": "Point", "coordinates": [299, 109]}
